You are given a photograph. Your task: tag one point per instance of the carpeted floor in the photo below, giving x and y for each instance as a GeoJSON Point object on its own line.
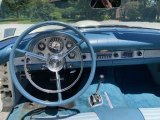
{"type": "Point", "coordinates": [126, 86]}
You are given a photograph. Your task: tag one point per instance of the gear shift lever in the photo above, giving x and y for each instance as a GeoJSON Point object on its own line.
{"type": "Point", "coordinates": [101, 78]}
{"type": "Point", "coordinates": [96, 99]}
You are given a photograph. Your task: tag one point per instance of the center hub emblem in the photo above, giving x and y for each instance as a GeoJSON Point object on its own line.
{"type": "Point", "coordinates": [54, 63]}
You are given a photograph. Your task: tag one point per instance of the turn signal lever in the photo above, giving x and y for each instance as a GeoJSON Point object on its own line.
{"type": "Point", "coordinates": [96, 99]}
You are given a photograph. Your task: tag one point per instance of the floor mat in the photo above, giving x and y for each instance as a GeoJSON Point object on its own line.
{"type": "Point", "coordinates": [138, 87]}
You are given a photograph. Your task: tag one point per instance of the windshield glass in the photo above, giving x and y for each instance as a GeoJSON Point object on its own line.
{"type": "Point", "coordinates": [130, 13]}
{"type": "Point", "coordinates": [28, 11]}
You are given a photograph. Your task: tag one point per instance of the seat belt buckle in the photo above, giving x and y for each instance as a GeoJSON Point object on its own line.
{"type": "Point", "coordinates": [95, 100]}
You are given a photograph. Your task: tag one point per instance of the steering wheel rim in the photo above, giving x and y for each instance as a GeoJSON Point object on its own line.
{"type": "Point", "coordinates": [19, 86]}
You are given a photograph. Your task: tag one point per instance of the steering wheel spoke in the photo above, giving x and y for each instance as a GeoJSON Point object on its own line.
{"type": "Point", "coordinates": [58, 79]}
{"type": "Point", "coordinates": [34, 55]}
{"type": "Point", "coordinates": [72, 49]}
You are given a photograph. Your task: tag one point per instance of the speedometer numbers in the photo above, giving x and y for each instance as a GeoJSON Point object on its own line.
{"type": "Point", "coordinates": [55, 45]}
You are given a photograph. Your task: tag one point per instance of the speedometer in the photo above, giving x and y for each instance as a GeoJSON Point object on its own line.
{"type": "Point", "coordinates": [55, 44]}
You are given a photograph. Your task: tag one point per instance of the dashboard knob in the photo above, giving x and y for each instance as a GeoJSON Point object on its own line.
{"type": "Point", "coordinates": [101, 76]}
{"type": "Point", "coordinates": [139, 53]}
{"type": "Point", "coordinates": [115, 55]}
{"type": "Point", "coordinates": [84, 57]}
{"type": "Point", "coordinates": [43, 67]}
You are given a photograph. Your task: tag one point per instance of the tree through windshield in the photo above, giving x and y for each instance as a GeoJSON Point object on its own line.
{"type": "Point", "coordinates": [28, 11]}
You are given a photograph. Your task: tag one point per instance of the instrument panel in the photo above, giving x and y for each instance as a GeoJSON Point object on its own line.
{"type": "Point", "coordinates": [59, 44]}
{"type": "Point", "coordinates": [56, 45]}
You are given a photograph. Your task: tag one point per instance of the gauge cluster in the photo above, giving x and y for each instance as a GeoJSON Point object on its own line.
{"type": "Point", "coordinates": [55, 44]}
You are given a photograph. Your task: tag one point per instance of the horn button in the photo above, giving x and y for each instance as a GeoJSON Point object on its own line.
{"type": "Point", "coordinates": [55, 63]}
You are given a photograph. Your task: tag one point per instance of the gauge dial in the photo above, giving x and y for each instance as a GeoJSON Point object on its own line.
{"type": "Point", "coordinates": [72, 55]}
{"type": "Point", "coordinates": [55, 45]}
{"type": "Point", "coordinates": [41, 46]}
{"type": "Point", "coordinates": [69, 44]}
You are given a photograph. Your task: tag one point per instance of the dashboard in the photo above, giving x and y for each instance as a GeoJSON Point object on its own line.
{"type": "Point", "coordinates": [112, 47]}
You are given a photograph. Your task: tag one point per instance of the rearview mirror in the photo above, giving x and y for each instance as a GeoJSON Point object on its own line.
{"type": "Point", "coordinates": [108, 4]}
{"type": "Point", "coordinates": [0, 3]}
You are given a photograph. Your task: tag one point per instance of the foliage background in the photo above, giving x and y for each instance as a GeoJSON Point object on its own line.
{"type": "Point", "coordinates": [28, 11]}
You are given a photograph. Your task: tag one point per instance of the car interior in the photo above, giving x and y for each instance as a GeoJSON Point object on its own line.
{"type": "Point", "coordinates": [71, 72]}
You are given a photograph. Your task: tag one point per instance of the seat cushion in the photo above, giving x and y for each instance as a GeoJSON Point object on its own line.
{"type": "Point", "coordinates": [84, 116]}
{"type": "Point", "coordinates": [112, 114]}
{"type": "Point", "coordinates": [150, 113]}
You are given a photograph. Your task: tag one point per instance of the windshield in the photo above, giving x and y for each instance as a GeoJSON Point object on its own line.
{"type": "Point", "coordinates": [28, 11]}
{"type": "Point", "coordinates": [130, 13]}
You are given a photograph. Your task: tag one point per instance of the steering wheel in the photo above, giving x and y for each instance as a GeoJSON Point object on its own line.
{"type": "Point", "coordinates": [51, 60]}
